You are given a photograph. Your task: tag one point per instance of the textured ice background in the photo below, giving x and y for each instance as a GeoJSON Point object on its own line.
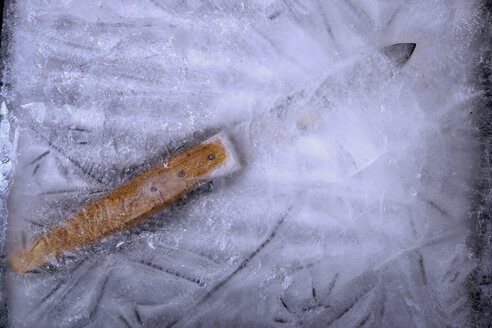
{"type": "Point", "coordinates": [353, 205]}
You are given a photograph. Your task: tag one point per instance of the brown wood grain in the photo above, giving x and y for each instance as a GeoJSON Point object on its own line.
{"type": "Point", "coordinates": [126, 205]}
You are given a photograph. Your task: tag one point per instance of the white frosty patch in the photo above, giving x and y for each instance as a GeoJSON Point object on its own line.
{"type": "Point", "coordinates": [231, 164]}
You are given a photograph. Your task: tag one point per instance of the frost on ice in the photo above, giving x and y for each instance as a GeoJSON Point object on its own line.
{"type": "Point", "coordinates": [352, 119]}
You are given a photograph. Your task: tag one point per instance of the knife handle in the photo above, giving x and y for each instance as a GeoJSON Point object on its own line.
{"type": "Point", "coordinates": [131, 202]}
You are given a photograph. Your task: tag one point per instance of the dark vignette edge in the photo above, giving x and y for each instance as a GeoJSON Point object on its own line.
{"type": "Point", "coordinates": [480, 283]}
{"type": "Point", "coordinates": [6, 8]}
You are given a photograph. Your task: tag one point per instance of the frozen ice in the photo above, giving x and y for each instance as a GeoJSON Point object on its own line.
{"type": "Point", "coordinates": [352, 121]}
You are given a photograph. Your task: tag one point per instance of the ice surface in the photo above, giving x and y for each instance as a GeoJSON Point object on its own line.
{"type": "Point", "coordinates": [358, 160]}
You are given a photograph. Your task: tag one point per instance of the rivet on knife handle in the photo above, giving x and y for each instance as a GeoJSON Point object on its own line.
{"type": "Point", "coordinates": [132, 201]}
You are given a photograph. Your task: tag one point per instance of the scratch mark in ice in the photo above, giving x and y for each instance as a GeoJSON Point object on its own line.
{"type": "Point", "coordinates": [378, 306]}
{"type": "Point", "coordinates": [295, 3]}
{"type": "Point", "coordinates": [35, 170]}
{"type": "Point", "coordinates": [438, 208]}
{"type": "Point", "coordinates": [324, 18]}
{"type": "Point", "coordinates": [137, 316]}
{"type": "Point", "coordinates": [332, 284]}
{"type": "Point", "coordinates": [99, 296]}
{"type": "Point", "coordinates": [37, 224]}
{"type": "Point", "coordinates": [317, 304]}
{"type": "Point", "coordinates": [80, 129]}
{"type": "Point", "coordinates": [92, 192]}
{"type": "Point", "coordinates": [364, 321]}
{"type": "Point", "coordinates": [392, 18]}
{"type": "Point", "coordinates": [168, 247]}
{"type": "Point", "coordinates": [450, 269]}
{"type": "Point", "coordinates": [127, 324]}
{"type": "Point", "coordinates": [348, 308]}
{"type": "Point", "coordinates": [61, 282]}
{"type": "Point", "coordinates": [115, 144]}
{"type": "Point", "coordinates": [57, 192]}
{"type": "Point", "coordinates": [71, 191]}
{"type": "Point", "coordinates": [282, 301]}
{"type": "Point", "coordinates": [422, 269]}
{"type": "Point", "coordinates": [39, 157]}
{"type": "Point", "coordinates": [294, 11]}
{"type": "Point", "coordinates": [171, 272]}
{"type": "Point", "coordinates": [280, 320]}
{"type": "Point", "coordinates": [359, 12]}
{"type": "Point", "coordinates": [73, 161]}
{"type": "Point", "coordinates": [274, 15]}
{"type": "Point", "coordinates": [52, 291]}
{"type": "Point", "coordinates": [301, 267]}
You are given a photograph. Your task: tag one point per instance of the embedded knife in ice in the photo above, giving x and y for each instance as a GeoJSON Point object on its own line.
{"type": "Point", "coordinates": [132, 201]}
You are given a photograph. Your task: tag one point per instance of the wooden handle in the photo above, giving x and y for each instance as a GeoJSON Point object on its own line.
{"type": "Point", "coordinates": [131, 202]}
